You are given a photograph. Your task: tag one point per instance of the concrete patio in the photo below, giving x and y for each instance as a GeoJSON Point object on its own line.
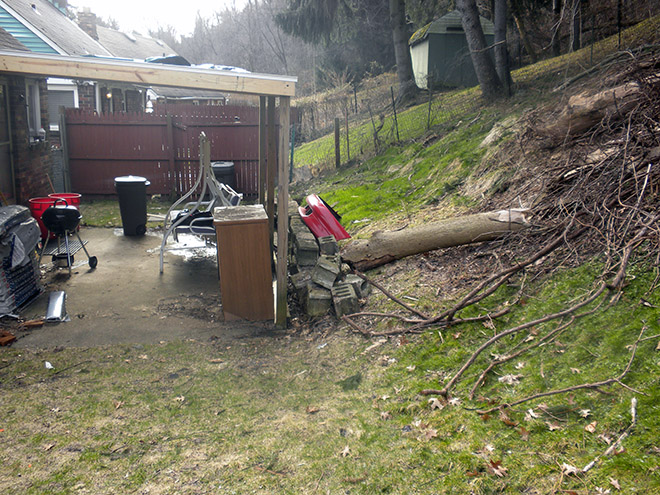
{"type": "Point", "coordinates": [126, 300]}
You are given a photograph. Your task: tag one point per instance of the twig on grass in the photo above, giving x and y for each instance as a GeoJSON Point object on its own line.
{"type": "Point", "coordinates": [626, 432]}
{"type": "Point", "coordinates": [594, 385]}
{"type": "Point", "coordinates": [390, 295]}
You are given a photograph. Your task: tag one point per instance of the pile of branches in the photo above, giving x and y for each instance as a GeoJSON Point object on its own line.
{"type": "Point", "coordinates": [602, 198]}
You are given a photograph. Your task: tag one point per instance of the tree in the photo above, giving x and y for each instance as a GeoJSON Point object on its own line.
{"type": "Point", "coordinates": [400, 36]}
{"type": "Point", "coordinates": [501, 53]}
{"type": "Point", "coordinates": [491, 86]}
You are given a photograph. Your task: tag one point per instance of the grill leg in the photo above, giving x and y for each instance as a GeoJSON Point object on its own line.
{"type": "Point", "coordinates": [68, 253]}
{"type": "Point", "coordinates": [43, 249]}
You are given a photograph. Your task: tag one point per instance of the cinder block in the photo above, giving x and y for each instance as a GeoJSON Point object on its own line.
{"type": "Point", "coordinates": [306, 249]}
{"type": "Point", "coordinates": [362, 287]}
{"type": "Point", "coordinates": [328, 245]}
{"type": "Point", "coordinates": [344, 299]}
{"type": "Point", "coordinates": [301, 282]}
{"type": "Point", "coordinates": [318, 301]}
{"type": "Point", "coordinates": [326, 271]}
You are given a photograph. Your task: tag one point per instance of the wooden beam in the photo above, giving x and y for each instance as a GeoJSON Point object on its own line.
{"type": "Point", "coordinates": [101, 69]}
{"type": "Point", "coordinates": [272, 166]}
{"type": "Point", "coordinates": [263, 171]}
{"type": "Point", "coordinates": [283, 212]}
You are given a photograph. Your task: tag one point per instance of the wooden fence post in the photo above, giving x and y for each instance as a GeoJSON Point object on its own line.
{"type": "Point", "coordinates": [337, 144]}
{"type": "Point", "coordinates": [171, 153]}
{"type": "Point", "coordinates": [263, 149]}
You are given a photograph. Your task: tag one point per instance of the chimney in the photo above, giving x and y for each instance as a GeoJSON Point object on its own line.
{"type": "Point", "coordinates": [87, 22]}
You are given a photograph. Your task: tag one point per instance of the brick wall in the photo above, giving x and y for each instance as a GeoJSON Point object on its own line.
{"type": "Point", "coordinates": [31, 160]}
{"type": "Point", "coordinates": [133, 101]}
{"type": "Point", "coordinates": [86, 96]}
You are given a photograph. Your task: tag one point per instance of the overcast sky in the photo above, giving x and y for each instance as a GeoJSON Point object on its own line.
{"type": "Point", "coordinates": [142, 15]}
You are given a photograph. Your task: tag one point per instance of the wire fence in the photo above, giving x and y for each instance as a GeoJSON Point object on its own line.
{"type": "Point", "coordinates": [366, 119]}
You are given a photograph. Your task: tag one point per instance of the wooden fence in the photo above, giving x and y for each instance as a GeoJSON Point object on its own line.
{"type": "Point", "coordinates": [162, 146]}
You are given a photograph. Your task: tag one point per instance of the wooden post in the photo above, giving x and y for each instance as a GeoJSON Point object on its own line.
{"type": "Point", "coordinates": [283, 213]}
{"type": "Point", "coordinates": [263, 147]}
{"type": "Point", "coordinates": [337, 145]}
{"type": "Point", "coordinates": [171, 156]}
{"type": "Point", "coordinates": [272, 167]}
{"type": "Point", "coordinates": [65, 153]}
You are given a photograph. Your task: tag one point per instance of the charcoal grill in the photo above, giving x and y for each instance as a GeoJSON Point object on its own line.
{"type": "Point", "coordinates": [62, 220]}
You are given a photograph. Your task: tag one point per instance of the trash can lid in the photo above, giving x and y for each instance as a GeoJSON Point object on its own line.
{"type": "Point", "coordinates": [132, 179]}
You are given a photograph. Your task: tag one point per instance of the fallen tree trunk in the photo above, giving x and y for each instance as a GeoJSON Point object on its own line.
{"type": "Point", "coordinates": [385, 247]}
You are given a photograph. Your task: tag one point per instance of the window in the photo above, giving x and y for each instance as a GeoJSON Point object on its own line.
{"type": "Point", "coordinates": [33, 109]}
{"type": "Point", "coordinates": [56, 99]}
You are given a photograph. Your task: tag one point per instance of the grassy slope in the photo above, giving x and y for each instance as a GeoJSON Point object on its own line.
{"type": "Point", "coordinates": [192, 417]}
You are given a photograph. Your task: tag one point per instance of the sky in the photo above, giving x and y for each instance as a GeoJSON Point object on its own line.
{"type": "Point", "coordinates": [142, 15]}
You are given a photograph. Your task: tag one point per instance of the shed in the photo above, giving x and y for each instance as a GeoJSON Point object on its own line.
{"type": "Point", "coordinates": [440, 52]}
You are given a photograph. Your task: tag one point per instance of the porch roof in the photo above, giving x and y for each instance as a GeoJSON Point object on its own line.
{"type": "Point", "coordinates": [103, 69]}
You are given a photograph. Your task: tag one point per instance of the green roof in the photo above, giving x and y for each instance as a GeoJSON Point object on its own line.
{"type": "Point", "coordinates": [448, 24]}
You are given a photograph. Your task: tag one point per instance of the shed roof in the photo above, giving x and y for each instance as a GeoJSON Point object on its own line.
{"type": "Point", "coordinates": [448, 24]}
{"type": "Point", "coordinates": [132, 45]}
{"type": "Point", "coordinates": [43, 28]}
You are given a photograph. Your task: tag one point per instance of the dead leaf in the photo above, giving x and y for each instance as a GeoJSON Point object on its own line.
{"type": "Point", "coordinates": [496, 468]}
{"type": "Point", "coordinates": [216, 361]}
{"type": "Point", "coordinates": [489, 324]}
{"type": "Point", "coordinates": [584, 412]}
{"type": "Point", "coordinates": [485, 417]}
{"type": "Point", "coordinates": [552, 426]}
{"type": "Point", "coordinates": [435, 403]}
{"type": "Point", "coordinates": [430, 433]}
{"type": "Point", "coordinates": [457, 335]}
{"type": "Point", "coordinates": [346, 452]}
{"type": "Point", "coordinates": [49, 446]}
{"type": "Point", "coordinates": [312, 409]}
{"type": "Point", "coordinates": [384, 397]}
{"type": "Point", "coordinates": [591, 427]}
{"type": "Point", "coordinates": [615, 483]}
{"type": "Point", "coordinates": [180, 398]}
{"type": "Point", "coordinates": [602, 491]}
{"type": "Point", "coordinates": [385, 416]}
{"type": "Point", "coordinates": [510, 379]}
{"type": "Point", "coordinates": [504, 417]}
{"type": "Point", "coordinates": [143, 356]}
{"type": "Point", "coordinates": [657, 347]}
{"type": "Point", "coordinates": [531, 415]}
{"type": "Point", "coordinates": [397, 390]}
{"type": "Point", "coordinates": [118, 404]}
{"type": "Point", "coordinates": [605, 438]}
{"type": "Point", "coordinates": [575, 371]}
{"type": "Point", "coordinates": [524, 434]}
{"type": "Point", "coordinates": [454, 401]}
{"type": "Point", "coordinates": [486, 449]}
{"type": "Point", "coordinates": [619, 451]}
{"type": "Point", "coordinates": [472, 473]}
{"type": "Point", "coordinates": [402, 341]}
{"type": "Point", "coordinates": [568, 470]}
{"type": "Point", "coordinates": [520, 365]}
{"type": "Point", "coordinates": [411, 368]}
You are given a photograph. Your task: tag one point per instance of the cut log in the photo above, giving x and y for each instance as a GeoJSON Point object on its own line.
{"type": "Point", "coordinates": [385, 247]}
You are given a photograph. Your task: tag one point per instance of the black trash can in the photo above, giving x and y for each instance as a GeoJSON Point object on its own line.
{"type": "Point", "coordinates": [225, 173]}
{"type": "Point", "coordinates": [132, 192]}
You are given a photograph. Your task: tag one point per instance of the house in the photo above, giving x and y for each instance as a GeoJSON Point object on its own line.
{"type": "Point", "coordinates": [440, 53]}
{"type": "Point", "coordinates": [24, 153]}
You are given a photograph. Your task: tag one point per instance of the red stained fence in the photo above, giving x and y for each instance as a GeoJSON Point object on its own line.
{"type": "Point", "coordinates": [162, 146]}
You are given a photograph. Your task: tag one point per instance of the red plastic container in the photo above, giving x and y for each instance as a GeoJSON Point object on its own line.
{"type": "Point", "coordinates": [39, 205]}
{"type": "Point", "coordinates": [321, 219]}
{"type": "Point", "coordinates": [72, 199]}
{"type": "Point", "coordinates": [37, 208]}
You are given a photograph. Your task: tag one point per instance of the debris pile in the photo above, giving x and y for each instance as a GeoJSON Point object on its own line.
{"type": "Point", "coordinates": [319, 278]}
{"type": "Point", "coordinates": [19, 277]}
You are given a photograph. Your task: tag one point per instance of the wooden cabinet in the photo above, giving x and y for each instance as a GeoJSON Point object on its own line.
{"type": "Point", "coordinates": [244, 262]}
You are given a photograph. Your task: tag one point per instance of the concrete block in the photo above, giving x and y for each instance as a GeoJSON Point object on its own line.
{"type": "Point", "coordinates": [318, 301]}
{"type": "Point", "coordinates": [301, 282]}
{"type": "Point", "coordinates": [328, 245]}
{"type": "Point", "coordinates": [344, 300]}
{"type": "Point", "coordinates": [306, 249]}
{"type": "Point", "coordinates": [325, 272]}
{"type": "Point", "coordinates": [362, 287]}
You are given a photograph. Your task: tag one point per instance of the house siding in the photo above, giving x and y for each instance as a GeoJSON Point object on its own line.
{"type": "Point", "coordinates": [23, 34]}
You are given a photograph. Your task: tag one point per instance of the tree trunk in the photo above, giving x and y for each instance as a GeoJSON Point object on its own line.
{"type": "Point", "coordinates": [517, 17]}
{"type": "Point", "coordinates": [404, 72]}
{"type": "Point", "coordinates": [385, 247]}
{"type": "Point", "coordinates": [501, 53]}
{"type": "Point", "coordinates": [491, 87]}
{"type": "Point", "coordinates": [556, 14]}
{"type": "Point", "coordinates": [576, 26]}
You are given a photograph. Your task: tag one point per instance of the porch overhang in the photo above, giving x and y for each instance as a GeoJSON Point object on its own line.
{"type": "Point", "coordinates": [268, 87]}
